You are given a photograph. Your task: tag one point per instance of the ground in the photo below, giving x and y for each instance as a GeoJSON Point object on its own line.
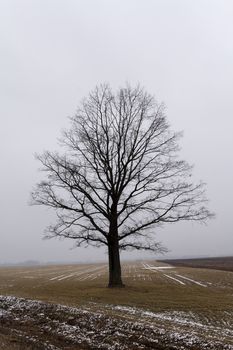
{"type": "Point", "coordinates": [162, 307]}
{"type": "Point", "coordinates": [218, 263]}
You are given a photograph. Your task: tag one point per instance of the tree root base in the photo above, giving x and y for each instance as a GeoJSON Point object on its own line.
{"type": "Point", "coordinates": [117, 285]}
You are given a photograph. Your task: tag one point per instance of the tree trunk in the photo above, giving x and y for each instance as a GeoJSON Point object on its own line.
{"type": "Point", "coordinates": [114, 257]}
{"type": "Point", "coordinates": [114, 265]}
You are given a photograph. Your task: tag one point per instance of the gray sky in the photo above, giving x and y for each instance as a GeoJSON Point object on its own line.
{"type": "Point", "coordinates": [53, 52]}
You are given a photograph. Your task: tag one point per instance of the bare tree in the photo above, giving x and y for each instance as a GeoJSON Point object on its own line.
{"type": "Point", "coordinates": [119, 177]}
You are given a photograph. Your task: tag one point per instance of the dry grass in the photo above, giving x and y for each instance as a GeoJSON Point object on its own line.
{"type": "Point", "coordinates": [157, 294]}
{"type": "Point", "coordinates": [203, 294]}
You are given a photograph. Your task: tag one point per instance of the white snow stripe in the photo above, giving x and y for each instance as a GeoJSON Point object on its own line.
{"type": "Point", "coordinates": [191, 280]}
{"type": "Point", "coordinates": [65, 277]}
{"type": "Point", "coordinates": [175, 279]}
{"type": "Point", "coordinates": [158, 267]}
{"type": "Point", "coordinates": [54, 278]}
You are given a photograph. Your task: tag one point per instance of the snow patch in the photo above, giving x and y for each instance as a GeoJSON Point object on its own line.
{"type": "Point", "coordinates": [175, 279]}
{"type": "Point", "coordinates": [191, 280]}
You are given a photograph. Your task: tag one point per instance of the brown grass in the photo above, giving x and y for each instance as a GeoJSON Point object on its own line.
{"type": "Point", "coordinates": [145, 289]}
{"type": "Point", "coordinates": [156, 295]}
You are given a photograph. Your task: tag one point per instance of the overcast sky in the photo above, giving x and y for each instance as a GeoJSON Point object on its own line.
{"type": "Point", "coordinates": [53, 52]}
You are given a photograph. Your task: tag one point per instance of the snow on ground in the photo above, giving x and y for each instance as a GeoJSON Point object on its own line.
{"type": "Point", "coordinates": [86, 273]}
{"type": "Point", "coordinates": [133, 271]}
{"type": "Point", "coordinates": [112, 327]}
{"type": "Point", "coordinates": [148, 267]}
{"type": "Point", "coordinates": [171, 276]}
{"type": "Point", "coordinates": [175, 279]}
{"type": "Point", "coordinates": [2, 312]}
{"type": "Point", "coordinates": [144, 271]}
{"type": "Point", "coordinates": [191, 280]}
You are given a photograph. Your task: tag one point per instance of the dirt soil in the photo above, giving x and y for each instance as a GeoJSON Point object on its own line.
{"type": "Point", "coordinates": [27, 324]}
{"type": "Point", "coordinates": [218, 263]}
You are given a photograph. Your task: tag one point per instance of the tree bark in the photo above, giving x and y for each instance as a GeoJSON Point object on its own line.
{"type": "Point", "coordinates": [114, 257]}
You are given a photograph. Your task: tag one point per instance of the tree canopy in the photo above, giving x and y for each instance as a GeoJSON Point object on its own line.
{"type": "Point", "coordinates": [119, 176]}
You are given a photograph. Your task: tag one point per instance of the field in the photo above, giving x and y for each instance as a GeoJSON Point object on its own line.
{"type": "Point", "coordinates": [219, 263]}
{"type": "Point", "coordinates": [161, 307]}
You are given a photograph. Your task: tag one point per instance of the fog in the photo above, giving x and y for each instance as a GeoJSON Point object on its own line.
{"type": "Point", "coordinates": [53, 52]}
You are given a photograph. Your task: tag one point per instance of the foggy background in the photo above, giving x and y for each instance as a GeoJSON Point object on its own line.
{"type": "Point", "coordinates": [53, 52]}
